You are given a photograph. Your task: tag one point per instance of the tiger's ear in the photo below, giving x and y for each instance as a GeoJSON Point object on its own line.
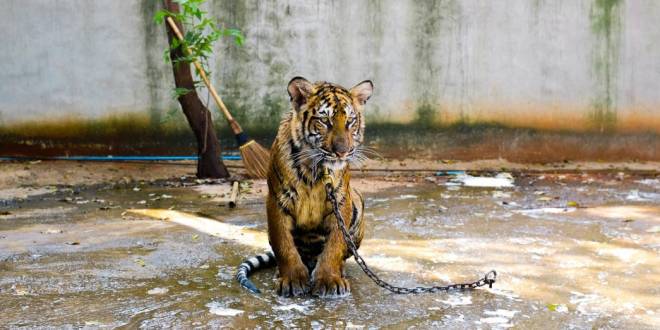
{"type": "Point", "coordinates": [362, 91]}
{"type": "Point", "coordinates": [299, 90]}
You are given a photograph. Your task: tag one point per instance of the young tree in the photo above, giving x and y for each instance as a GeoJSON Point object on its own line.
{"type": "Point", "coordinates": [210, 164]}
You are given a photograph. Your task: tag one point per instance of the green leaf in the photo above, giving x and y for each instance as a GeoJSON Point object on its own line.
{"type": "Point", "coordinates": [180, 91]}
{"type": "Point", "coordinates": [238, 36]}
{"type": "Point", "coordinates": [201, 33]}
{"type": "Point", "coordinates": [159, 17]}
{"type": "Point", "coordinates": [166, 55]}
{"type": "Point", "coordinates": [175, 43]}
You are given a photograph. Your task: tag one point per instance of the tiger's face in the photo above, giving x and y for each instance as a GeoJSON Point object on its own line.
{"type": "Point", "coordinates": [329, 121]}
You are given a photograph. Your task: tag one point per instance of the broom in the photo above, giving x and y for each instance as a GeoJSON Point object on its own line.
{"type": "Point", "coordinates": [255, 157]}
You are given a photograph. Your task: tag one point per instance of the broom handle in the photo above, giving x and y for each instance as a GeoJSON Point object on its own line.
{"type": "Point", "coordinates": [235, 127]}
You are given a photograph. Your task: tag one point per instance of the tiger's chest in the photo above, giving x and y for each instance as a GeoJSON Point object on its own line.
{"type": "Point", "coordinates": [310, 207]}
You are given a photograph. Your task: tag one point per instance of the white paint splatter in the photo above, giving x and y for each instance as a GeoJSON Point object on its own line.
{"type": "Point", "coordinates": [501, 312]}
{"type": "Point", "coordinates": [407, 197]}
{"type": "Point", "coordinates": [587, 304]}
{"type": "Point", "coordinates": [546, 210]}
{"type": "Point", "coordinates": [294, 307]}
{"type": "Point", "coordinates": [218, 309]}
{"type": "Point", "coordinates": [457, 300]}
{"type": "Point", "coordinates": [502, 180]}
{"type": "Point", "coordinates": [157, 291]}
{"type": "Point", "coordinates": [650, 182]}
{"type": "Point", "coordinates": [624, 254]}
{"type": "Point", "coordinates": [492, 320]}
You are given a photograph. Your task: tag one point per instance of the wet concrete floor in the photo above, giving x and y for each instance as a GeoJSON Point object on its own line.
{"type": "Point", "coordinates": [572, 251]}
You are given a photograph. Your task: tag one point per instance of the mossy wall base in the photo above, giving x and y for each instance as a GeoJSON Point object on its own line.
{"type": "Point", "coordinates": [135, 135]}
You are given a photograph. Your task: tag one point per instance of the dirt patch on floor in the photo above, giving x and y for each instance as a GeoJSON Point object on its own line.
{"type": "Point", "coordinates": [51, 173]}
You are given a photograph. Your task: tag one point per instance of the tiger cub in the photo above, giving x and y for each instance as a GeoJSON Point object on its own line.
{"type": "Point", "coordinates": [324, 130]}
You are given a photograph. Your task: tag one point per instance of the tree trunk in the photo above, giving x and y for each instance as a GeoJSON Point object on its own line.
{"type": "Point", "coordinates": [210, 164]}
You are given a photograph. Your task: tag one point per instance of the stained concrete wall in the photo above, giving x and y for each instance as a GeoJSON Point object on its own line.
{"type": "Point", "coordinates": [566, 65]}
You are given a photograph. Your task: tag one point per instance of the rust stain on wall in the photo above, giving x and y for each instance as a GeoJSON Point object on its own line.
{"type": "Point", "coordinates": [551, 118]}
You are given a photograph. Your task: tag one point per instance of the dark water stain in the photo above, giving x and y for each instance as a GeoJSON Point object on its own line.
{"type": "Point", "coordinates": [375, 27]}
{"type": "Point", "coordinates": [274, 106]}
{"type": "Point", "coordinates": [151, 33]}
{"type": "Point", "coordinates": [375, 24]}
{"type": "Point", "coordinates": [118, 133]}
{"type": "Point", "coordinates": [426, 115]}
{"type": "Point", "coordinates": [234, 81]}
{"type": "Point", "coordinates": [606, 26]}
{"type": "Point", "coordinates": [486, 140]}
{"type": "Point", "coordinates": [277, 57]}
{"type": "Point", "coordinates": [133, 134]}
{"type": "Point", "coordinates": [429, 19]}
{"type": "Point", "coordinates": [537, 6]}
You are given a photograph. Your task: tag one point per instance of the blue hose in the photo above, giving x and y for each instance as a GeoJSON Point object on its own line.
{"type": "Point", "coordinates": [115, 158]}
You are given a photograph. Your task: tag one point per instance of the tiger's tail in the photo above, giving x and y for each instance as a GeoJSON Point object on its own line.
{"type": "Point", "coordinates": [250, 265]}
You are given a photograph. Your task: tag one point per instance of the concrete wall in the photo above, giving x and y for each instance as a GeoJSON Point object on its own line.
{"type": "Point", "coordinates": [88, 58]}
{"type": "Point", "coordinates": [556, 64]}
{"type": "Point", "coordinates": [564, 65]}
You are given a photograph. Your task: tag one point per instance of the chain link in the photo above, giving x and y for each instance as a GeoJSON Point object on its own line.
{"type": "Point", "coordinates": [488, 279]}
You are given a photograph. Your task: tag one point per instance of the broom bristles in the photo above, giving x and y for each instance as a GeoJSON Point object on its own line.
{"type": "Point", "coordinates": [256, 159]}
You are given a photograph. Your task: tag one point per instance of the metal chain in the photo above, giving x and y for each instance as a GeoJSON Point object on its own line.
{"type": "Point", "coordinates": [488, 279]}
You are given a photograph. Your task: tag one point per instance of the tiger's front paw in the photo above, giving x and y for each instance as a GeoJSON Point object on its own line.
{"type": "Point", "coordinates": [293, 281]}
{"type": "Point", "coordinates": [329, 285]}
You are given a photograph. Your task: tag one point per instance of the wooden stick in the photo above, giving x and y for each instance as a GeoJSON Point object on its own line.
{"type": "Point", "coordinates": [234, 195]}
{"type": "Point", "coordinates": [234, 125]}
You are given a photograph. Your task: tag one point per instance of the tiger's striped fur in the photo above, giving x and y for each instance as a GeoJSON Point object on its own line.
{"type": "Point", "coordinates": [324, 129]}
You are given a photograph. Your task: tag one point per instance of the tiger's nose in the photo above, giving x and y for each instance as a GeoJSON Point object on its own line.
{"type": "Point", "coordinates": [341, 154]}
{"type": "Point", "coordinates": [340, 149]}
